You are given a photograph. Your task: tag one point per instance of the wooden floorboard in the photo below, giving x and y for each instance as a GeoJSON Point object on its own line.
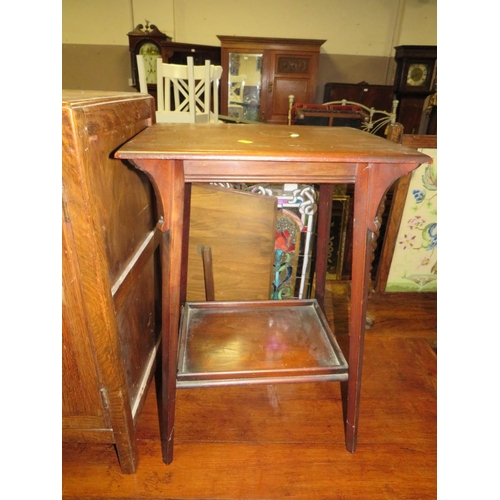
{"type": "Point", "coordinates": [287, 441]}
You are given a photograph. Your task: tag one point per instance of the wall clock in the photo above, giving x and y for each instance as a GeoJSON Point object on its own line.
{"type": "Point", "coordinates": [146, 40]}
{"type": "Point", "coordinates": [415, 80]}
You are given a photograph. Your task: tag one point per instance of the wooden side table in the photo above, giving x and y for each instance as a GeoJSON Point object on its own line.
{"type": "Point", "coordinates": [176, 155]}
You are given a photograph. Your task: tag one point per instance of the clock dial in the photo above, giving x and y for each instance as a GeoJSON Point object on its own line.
{"type": "Point", "coordinates": [150, 52]}
{"type": "Point", "coordinates": [417, 75]}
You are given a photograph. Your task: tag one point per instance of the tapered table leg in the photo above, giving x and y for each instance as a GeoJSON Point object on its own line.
{"type": "Point", "coordinates": [372, 183]}
{"type": "Point", "coordinates": [167, 177]}
{"type": "Point", "coordinates": [359, 296]}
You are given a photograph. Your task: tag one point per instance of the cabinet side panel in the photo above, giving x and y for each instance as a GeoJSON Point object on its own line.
{"type": "Point", "coordinates": [80, 388]}
{"type": "Point", "coordinates": [127, 217]}
{"type": "Point", "coordinates": [125, 199]}
{"type": "Point", "coordinates": [136, 325]}
{"type": "Point", "coordinates": [80, 384]}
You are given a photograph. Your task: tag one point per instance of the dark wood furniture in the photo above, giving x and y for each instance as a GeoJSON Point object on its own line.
{"type": "Point", "coordinates": [174, 156]}
{"type": "Point", "coordinates": [111, 327]}
{"type": "Point", "coordinates": [289, 66]}
{"type": "Point", "coordinates": [177, 53]}
{"type": "Point", "coordinates": [372, 96]}
{"type": "Point", "coordinates": [414, 81]}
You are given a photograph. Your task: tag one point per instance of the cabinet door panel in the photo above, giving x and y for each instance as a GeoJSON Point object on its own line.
{"type": "Point", "coordinates": [290, 73]}
{"type": "Point", "coordinates": [282, 88]}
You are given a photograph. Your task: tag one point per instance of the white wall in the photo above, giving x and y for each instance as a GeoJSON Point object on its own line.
{"type": "Point", "coordinates": [351, 27]}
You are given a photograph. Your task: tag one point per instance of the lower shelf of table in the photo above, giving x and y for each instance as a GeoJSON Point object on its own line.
{"type": "Point", "coordinates": [230, 343]}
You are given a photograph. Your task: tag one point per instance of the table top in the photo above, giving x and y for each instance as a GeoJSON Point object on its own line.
{"type": "Point", "coordinates": [265, 142]}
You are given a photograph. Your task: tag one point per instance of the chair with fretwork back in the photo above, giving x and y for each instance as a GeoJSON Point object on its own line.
{"type": "Point", "coordinates": [176, 95]}
{"type": "Point", "coordinates": [184, 92]}
{"type": "Point", "coordinates": [215, 76]}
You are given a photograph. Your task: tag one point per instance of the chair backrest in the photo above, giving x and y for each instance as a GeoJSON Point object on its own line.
{"type": "Point", "coordinates": [188, 93]}
{"type": "Point", "coordinates": [141, 69]}
{"type": "Point", "coordinates": [215, 76]}
{"type": "Point", "coordinates": [183, 92]}
{"type": "Point", "coordinates": [176, 79]}
{"type": "Point", "coordinates": [203, 91]}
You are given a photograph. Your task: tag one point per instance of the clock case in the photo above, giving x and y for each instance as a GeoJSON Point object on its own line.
{"type": "Point", "coordinates": [408, 55]}
{"type": "Point", "coordinates": [136, 39]}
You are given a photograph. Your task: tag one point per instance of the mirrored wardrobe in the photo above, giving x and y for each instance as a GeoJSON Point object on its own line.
{"type": "Point", "coordinates": [260, 73]}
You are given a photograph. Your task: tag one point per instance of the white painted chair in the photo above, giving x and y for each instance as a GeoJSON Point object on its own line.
{"type": "Point", "coordinates": [141, 69]}
{"type": "Point", "coordinates": [183, 92]}
{"type": "Point", "coordinates": [215, 76]}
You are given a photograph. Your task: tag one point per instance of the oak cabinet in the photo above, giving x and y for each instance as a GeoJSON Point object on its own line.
{"type": "Point", "coordinates": [270, 69]}
{"type": "Point", "coordinates": [110, 247]}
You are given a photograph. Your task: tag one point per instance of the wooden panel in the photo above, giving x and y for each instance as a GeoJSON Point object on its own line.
{"type": "Point", "coordinates": [136, 326]}
{"type": "Point", "coordinates": [239, 227]}
{"type": "Point", "coordinates": [283, 87]}
{"type": "Point", "coordinates": [290, 73]}
{"type": "Point", "coordinates": [379, 97]}
{"type": "Point", "coordinates": [177, 53]}
{"type": "Point", "coordinates": [127, 214]}
{"type": "Point", "coordinates": [123, 195]}
{"type": "Point", "coordinates": [410, 113]}
{"type": "Point", "coordinates": [80, 390]}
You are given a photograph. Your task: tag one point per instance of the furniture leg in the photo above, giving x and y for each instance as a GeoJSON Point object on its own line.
{"type": "Point", "coordinates": [167, 178]}
{"type": "Point", "coordinates": [359, 295]}
{"type": "Point", "coordinates": [126, 448]}
{"type": "Point", "coordinates": [323, 236]}
{"type": "Point", "coordinates": [185, 240]}
{"type": "Point", "coordinates": [369, 190]}
{"type": "Point", "coordinates": [173, 189]}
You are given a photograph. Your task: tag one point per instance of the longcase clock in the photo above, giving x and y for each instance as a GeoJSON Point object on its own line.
{"type": "Point", "coordinates": [415, 80]}
{"type": "Point", "coordinates": [146, 40]}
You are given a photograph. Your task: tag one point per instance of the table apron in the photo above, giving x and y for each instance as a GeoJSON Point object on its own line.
{"type": "Point", "coordinates": [269, 171]}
